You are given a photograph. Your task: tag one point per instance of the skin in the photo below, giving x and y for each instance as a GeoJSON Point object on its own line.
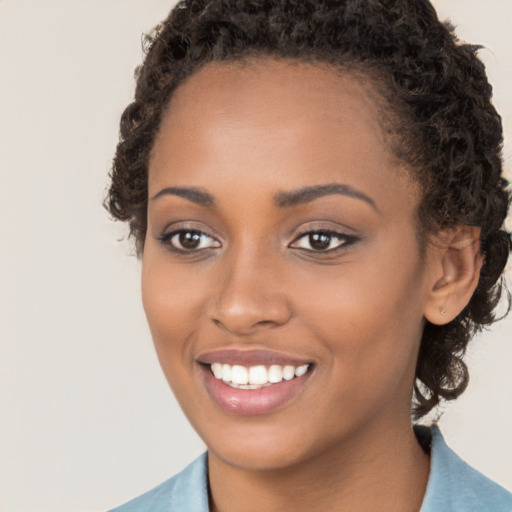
{"type": "Point", "coordinates": [245, 134]}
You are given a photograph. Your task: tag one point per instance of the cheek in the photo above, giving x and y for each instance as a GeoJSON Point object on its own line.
{"type": "Point", "coordinates": [369, 318]}
{"type": "Point", "coordinates": [172, 303]}
{"type": "Point", "coordinates": [362, 332]}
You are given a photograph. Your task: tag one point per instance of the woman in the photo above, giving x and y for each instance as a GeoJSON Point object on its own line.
{"type": "Point", "coordinates": [315, 191]}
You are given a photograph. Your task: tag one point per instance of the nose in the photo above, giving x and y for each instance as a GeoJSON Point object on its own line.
{"type": "Point", "coordinates": [251, 296]}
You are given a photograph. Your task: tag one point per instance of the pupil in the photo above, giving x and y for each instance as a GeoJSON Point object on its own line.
{"type": "Point", "coordinates": [189, 239]}
{"type": "Point", "coordinates": [319, 241]}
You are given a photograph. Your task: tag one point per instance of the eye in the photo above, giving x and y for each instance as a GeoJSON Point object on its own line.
{"type": "Point", "coordinates": [321, 241]}
{"type": "Point", "coordinates": [188, 240]}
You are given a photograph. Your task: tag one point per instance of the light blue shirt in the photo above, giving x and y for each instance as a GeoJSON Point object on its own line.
{"type": "Point", "coordinates": [453, 486]}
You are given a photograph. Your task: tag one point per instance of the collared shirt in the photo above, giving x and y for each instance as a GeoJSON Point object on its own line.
{"type": "Point", "coordinates": [453, 486]}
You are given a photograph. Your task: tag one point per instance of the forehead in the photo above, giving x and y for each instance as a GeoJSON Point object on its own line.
{"type": "Point", "coordinates": [273, 77]}
{"type": "Point", "coordinates": [276, 122]}
{"type": "Point", "coordinates": [264, 91]}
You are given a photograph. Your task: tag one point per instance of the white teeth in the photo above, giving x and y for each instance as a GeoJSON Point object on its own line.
{"type": "Point", "coordinates": [247, 386]}
{"type": "Point", "coordinates": [239, 374]}
{"type": "Point", "coordinates": [255, 377]}
{"type": "Point", "coordinates": [301, 370]}
{"type": "Point", "coordinates": [217, 370]}
{"type": "Point", "coordinates": [275, 374]}
{"type": "Point", "coordinates": [258, 375]}
{"type": "Point", "coordinates": [288, 372]}
{"type": "Point", "coordinates": [226, 372]}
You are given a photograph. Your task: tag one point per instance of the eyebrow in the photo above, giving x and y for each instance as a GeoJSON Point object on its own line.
{"type": "Point", "coordinates": [308, 194]}
{"type": "Point", "coordinates": [193, 194]}
{"type": "Point", "coordinates": [282, 199]}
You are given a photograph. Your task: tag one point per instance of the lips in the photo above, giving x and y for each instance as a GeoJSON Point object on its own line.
{"type": "Point", "coordinates": [253, 382]}
{"type": "Point", "coordinates": [250, 358]}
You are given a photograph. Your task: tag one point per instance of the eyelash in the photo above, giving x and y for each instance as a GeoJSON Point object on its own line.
{"type": "Point", "coordinates": [345, 241]}
{"type": "Point", "coordinates": [167, 238]}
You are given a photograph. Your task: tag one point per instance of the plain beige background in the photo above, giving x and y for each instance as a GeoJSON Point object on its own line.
{"type": "Point", "coordinates": [86, 419]}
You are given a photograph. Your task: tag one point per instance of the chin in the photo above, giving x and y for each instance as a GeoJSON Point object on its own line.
{"type": "Point", "coordinates": [258, 456]}
{"type": "Point", "coordinates": [263, 447]}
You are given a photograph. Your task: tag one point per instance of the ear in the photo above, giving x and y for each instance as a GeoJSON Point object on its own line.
{"type": "Point", "coordinates": [455, 263]}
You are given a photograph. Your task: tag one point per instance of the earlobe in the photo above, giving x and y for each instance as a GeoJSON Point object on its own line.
{"type": "Point", "coordinates": [455, 273]}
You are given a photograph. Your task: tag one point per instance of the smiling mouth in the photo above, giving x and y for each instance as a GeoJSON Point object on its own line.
{"type": "Point", "coordinates": [253, 382]}
{"type": "Point", "coordinates": [256, 377]}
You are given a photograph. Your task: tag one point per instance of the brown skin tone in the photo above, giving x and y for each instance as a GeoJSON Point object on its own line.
{"type": "Point", "coordinates": [246, 134]}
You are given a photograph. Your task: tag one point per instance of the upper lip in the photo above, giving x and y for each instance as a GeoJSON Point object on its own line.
{"type": "Point", "coordinates": [250, 357]}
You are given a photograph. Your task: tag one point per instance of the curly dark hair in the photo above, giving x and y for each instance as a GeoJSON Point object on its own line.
{"type": "Point", "coordinates": [449, 134]}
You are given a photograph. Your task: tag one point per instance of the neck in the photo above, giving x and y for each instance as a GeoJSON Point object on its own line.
{"type": "Point", "coordinates": [385, 470]}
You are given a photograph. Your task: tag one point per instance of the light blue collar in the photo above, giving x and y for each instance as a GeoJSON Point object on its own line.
{"type": "Point", "coordinates": [453, 486]}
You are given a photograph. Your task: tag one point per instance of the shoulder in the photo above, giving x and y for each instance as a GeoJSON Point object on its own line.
{"type": "Point", "coordinates": [185, 492]}
{"type": "Point", "coordinates": [454, 486]}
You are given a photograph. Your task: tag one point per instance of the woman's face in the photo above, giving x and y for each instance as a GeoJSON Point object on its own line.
{"type": "Point", "coordinates": [282, 234]}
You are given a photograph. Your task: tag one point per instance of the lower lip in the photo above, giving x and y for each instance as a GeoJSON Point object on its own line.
{"type": "Point", "coordinates": [252, 401]}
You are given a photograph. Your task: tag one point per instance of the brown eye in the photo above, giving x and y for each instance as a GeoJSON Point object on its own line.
{"type": "Point", "coordinates": [319, 241]}
{"type": "Point", "coordinates": [322, 241]}
{"type": "Point", "coordinates": [188, 240]}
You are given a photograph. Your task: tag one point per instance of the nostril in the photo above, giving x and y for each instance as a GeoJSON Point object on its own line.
{"type": "Point", "coordinates": [265, 323]}
{"type": "Point", "coordinates": [246, 312]}
{"type": "Point", "coordinates": [241, 325]}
